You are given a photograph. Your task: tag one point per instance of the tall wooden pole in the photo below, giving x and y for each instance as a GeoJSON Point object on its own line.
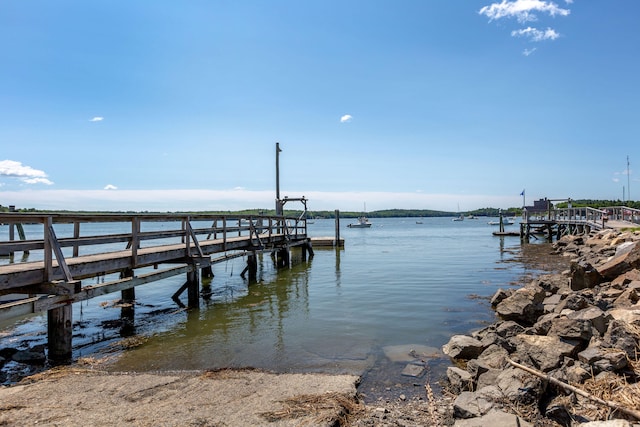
{"type": "Point", "coordinates": [278, 203]}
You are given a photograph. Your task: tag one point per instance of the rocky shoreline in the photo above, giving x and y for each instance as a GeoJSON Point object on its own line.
{"type": "Point", "coordinates": [565, 351]}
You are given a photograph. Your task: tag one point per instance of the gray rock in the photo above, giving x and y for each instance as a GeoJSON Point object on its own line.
{"type": "Point", "coordinates": [519, 386]}
{"type": "Point", "coordinates": [611, 361]}
{"type": "Point", "coordinates": [500, 295]}
{"type": "Point", "coordinates": [576, 374]}
{"type": "Point", "coordinates": [460, 379]}
{"type": "Point", "coordinates": [542, 326]}
{"type": "Point", "coordinates": [413, 370]}
{"type": "Point", "coordinates": [591, 354]}
{"type": "Point", "coordinates": [625, 259]}
{"type": "Point", "coordinates": [571, 328]}
{"type": "Point", "coordinates": [609, 423]}
{"type": "Point", "coordinates": [598, 318]}
{"type": "Point", "coordinates": [476, 368]}
{"type": "Point", "coordinates": [630, 315]}
{"type": "Point", "coordinates": [551, 302]}
{"type": "Point", "coordinates": [493, 357]}
{"type": "Point", "coordinates": [584, 275]}
{"type": "Point", "coordinates": [495, 418]}
{"type": "Point", "coordinates": [524, 306]}
{"type": "Point", "coordinates": [509, 328]}
{"type": "Point", "coordinates": [545, 352]}
{"type": "Point", "coordinates": [463, 347]}
{"type": "Point", "coordinates": [30, 357]}
{"type": "Point", "coordinates": [574, 302]}
{"type": "Point", "coordinates": [488, 378]}
{"type": "Point", "coordinates": [627, 298]}
{"type": "Point", "coordinates": [469, 404]}
{"type": "Point", "coordinates": [619, 336]}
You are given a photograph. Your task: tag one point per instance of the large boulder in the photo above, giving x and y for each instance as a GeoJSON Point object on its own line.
{"type": "Point", "coordinates": [524, 306]}
{"type": "Point", "coordinates": [545, 352]}
{"type": "Point", "coordinates": [463, 347]}
{"type": "Point", "coordinates": [621, 337]}
{"type": "Point", "coordinates": [625, 259]}
{"type": "Point", "coordinates": [470, 404]}
{"type": "Point", "coordinates": [596, 317]}
{"type": "Point", "coordinates": [520, 387]}
{"type": "Point", "coordinates": [584, 275]}
{"type": "Point", "coordinates": [572, 329]}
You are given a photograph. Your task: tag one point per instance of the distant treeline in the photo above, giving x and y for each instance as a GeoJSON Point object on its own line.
{"type": "Point", "coordinates": [387, 213]}
{"type": "Point", "coordinates": [588, 203]}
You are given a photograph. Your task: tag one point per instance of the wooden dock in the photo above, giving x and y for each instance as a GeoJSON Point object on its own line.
{"type": "Point", "coordinates": [559, 222]}
{"type": "Point", "coordinates": [50, 277]}
{"type": "Point", "coordinates": [326, 242]}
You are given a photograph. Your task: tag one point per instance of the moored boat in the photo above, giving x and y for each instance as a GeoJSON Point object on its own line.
{"type": "Point", "coordinates": [363, 222]}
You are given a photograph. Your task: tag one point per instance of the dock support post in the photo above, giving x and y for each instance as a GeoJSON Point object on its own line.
{"type": "Point", "coordinates": [252, 265]}
{"type": "Point", "coordinates": [252, 268]}
{"type": "Point", "coordinates": [127, 308]}
{"type": "Point", "coordinates": [207, 272]}
{"type": "Point", "coordinates": [282, 259]}
{"type": "Point", "coordinates": [193, 288]}
{"type": "Point", "coordinates": [60, 333]}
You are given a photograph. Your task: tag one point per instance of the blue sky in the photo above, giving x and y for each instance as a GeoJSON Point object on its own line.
{"type": "Point", "coordinates": [416, 104]}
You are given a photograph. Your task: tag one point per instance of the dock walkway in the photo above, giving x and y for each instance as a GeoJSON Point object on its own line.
{"type": "Point", "coordinates": [558, 222]}
{"type": "Point", "coordinates": [70, 248]}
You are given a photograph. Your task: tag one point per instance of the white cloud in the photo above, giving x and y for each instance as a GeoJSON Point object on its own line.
{"type": "Point", "coordinates": [37, 181]}
{"type": "Point", "coordinates": [96, 119]}
{"type": "Point", "coordinates": [346, 118]}
{"type": "Point", "coordinates": [522, 10]}
{"type": "Point", "coordinates": [535, 34]}
{"type": "Point", "coordinates": [528, 52]}
{"type": "Point", "coordinates": [26, 174]}
{"type": "Point", "coordinates": [110, 187]}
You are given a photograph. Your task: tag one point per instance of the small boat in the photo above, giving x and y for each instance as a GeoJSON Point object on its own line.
{"type": "Point", "coordinates": [460, 217]}
{"type": "Point", "coordinates": [471, 216]}
{"type": "Point", "coordinates": [363, 222]}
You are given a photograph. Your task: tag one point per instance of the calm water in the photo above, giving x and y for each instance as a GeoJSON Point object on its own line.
{"type": "Point", "coordinates": [396, 286]}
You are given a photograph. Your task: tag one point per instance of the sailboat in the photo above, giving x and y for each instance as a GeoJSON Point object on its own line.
{"type": "Point", "coordinates": [460, 217]}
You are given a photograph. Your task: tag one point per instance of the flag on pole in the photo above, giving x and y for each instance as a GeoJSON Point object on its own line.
{"type": "Point", "coordinates": [522, 194]}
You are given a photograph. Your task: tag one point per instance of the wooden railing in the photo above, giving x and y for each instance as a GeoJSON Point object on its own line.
{"type": "Point", "coordinates": [623, 213]}
{"type": "Point", "coordinates": [66, 236]}
{"type": "Point", "coordinates": [597, 218]}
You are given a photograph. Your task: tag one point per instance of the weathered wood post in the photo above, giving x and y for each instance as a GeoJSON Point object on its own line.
{"type": "Point", "coordinates": [252, 265]}
{"type": "Point", "coordinates": [127, 308]}
{"type": "Point", "coordinates": [207, 272]}
{"type": "Point", "coordinates": [193, 288]}
{"type": "Point", "coordinates": [337, 242]}
{"type": "Point", "coordinates": [60, 333]}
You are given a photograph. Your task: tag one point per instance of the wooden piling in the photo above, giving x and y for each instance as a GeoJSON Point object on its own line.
{"type": "Point", "coordinates": [193, 289]}
{"type": "Point", "coordinates": [252, 265]}
{"type": "Point", "coordinates": [127, 308]}
{"type": "Point", "coordinates": [60, 333]}
{"type": "Point", "coordinates": [207, 272]}
{"type": "Point", "coordinates": [283, 259]}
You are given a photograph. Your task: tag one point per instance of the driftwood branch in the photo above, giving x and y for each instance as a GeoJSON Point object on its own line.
{"type": "Point", "coordinates": [610, 404]}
